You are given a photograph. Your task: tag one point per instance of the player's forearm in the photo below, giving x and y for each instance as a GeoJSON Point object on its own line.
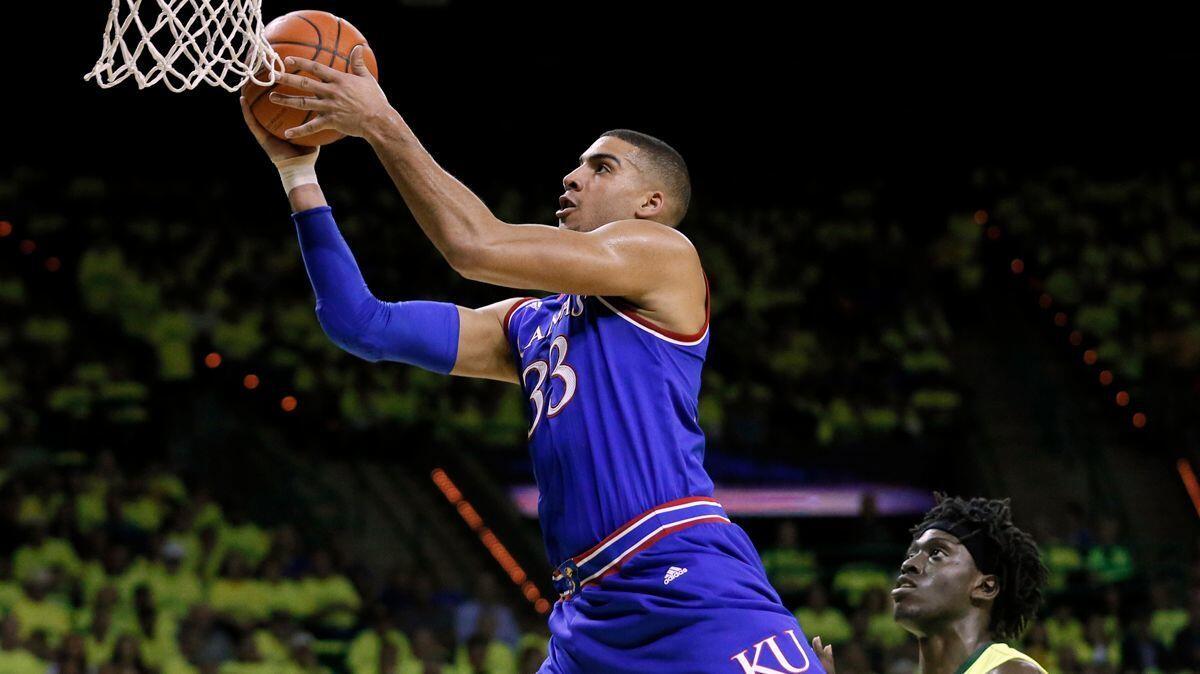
{"type": "Point", "coordinates": [455, 220]}
{"type": "Point", "coordinates": [305, 197]}
{"type": "Point", "coordinates": [417, 332]}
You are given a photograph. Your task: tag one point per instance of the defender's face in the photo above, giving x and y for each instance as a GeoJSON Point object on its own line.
{"type": "Point", "coordinates": [607, 186]}
{"type": "Point", "coordinates": [935, 583]}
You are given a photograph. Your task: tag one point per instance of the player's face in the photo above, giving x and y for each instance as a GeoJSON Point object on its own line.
{"type": "Point", "coordinates": [607, 186]}
{"type": "Point", "coordinates": [936, 583]}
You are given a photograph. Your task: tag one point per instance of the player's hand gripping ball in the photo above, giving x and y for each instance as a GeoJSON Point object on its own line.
{"type": "Point", "coordinates": [323, 46]}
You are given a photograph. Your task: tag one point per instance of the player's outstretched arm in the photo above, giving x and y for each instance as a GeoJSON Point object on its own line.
{"type": "Point", "coordinates": [437, 336]}
{"type": "Point", "coordinates": [628, 258]}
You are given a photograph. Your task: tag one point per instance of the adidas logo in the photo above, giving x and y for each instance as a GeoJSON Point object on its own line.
{"type": "Point", "coordinates": [673, 573]}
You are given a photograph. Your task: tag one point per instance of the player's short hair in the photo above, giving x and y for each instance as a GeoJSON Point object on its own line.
{"type": "Point", "coordinates": [664, 162]}
{"type": "Point", "coordinates": [1016, 560]}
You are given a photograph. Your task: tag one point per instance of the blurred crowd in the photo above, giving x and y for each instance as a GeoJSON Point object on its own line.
{"type": "Point", "coordinates": [109, 570]}
{"type": "Point", "coordinates": [1121, 257]}
{"type": "Point", "coordinates": [854, 357]}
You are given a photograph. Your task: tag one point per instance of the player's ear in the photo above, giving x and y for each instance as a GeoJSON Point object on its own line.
{"type": "Point", "coordinates": [653, 205]}
{"type": "Point", "coordinates": [987, 587]}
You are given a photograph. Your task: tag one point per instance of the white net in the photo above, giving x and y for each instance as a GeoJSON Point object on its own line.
{"type": "Point", "coordinates": [186, 43]}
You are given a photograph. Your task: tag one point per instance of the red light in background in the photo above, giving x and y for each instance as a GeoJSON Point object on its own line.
{"type": "Point", "coordinates": [1017, 266]}
{"type": "Point", "coordinates": [53, 264]}
{"type": "Point", "coordinates": [1076, 338]}
{"type": "Point", "coordinates": [981, 217]}
{"type": "Point", "coordinates": [1045, 301]}
{"type": "Point", "coordinates": [27, 246]}
{"type": "Point", "coordinates": [1122, 398]}
{"type": "Point", "coordinates": [1090, 357]}
{"type": "Point", "coordinates": [1189, 482]}
{"type": "Point", "coordinates": [499, 553]}
{"type": "Point", "coordinates": [250, 381]}
{"type": "Point", "coordinates": [5, 228]}
{"type": "Point", "coordinates": [1060, 319]}
{"type": "Point", "coordinates": [993, 233]}
{"type": "Point", "coordinates": [1139, 420]}
{"type": "Point", "coordinates": [212, 360]}
{"type": "Point", "coordinates": [288, 403]}
{"type": "Point", "coordinates": [1106, 378]}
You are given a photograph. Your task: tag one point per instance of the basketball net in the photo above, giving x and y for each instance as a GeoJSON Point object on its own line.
{"type": "Point", "coordinates": [189, 43]}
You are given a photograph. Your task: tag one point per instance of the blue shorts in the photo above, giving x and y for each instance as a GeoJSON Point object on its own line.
{"type": "Point", "coordinates": [698, 600]}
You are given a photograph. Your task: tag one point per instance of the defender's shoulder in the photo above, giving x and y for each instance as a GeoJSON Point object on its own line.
{"type": "Point", "coordinates": [1016, 666]}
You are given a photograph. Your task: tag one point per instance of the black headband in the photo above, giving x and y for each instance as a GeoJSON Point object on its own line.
{"type": "Point", "coordinates": [984, 550]}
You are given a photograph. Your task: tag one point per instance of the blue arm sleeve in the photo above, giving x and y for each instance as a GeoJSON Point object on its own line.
{"type": "Point", "coordinates": [419, 333]}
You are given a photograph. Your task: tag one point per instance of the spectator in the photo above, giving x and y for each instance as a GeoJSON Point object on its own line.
{"type": "Point", "coordinates": [186, 659]}
{"type": "Point", "coordinates": [1064, 631]}
{"type": "Point", "coordinates": [36, 611]}
{"type": "Point", "coordinates": [1109, 561]}
{"type": "Point", "coordinates": [1063, 561]}
{"type": "Point", "coordinates": [492, 655]}
{"type": "Point", "coordinates": [101, 638]}
{"type": "Point", "coordinates": [883, 634]}
{"type": "Point", "coordinates": [1037, 646]}
{"type": "Point", "coordinates": [855, 579]}
{"type": "Point", "coordinates": [389, 660]}
{"type": "Point", "coordinates": [303, 658]}
{"type": "Point", "coordinates": [1168, 617]}
{"type": "Point", "coordinates": [71, 657]}
{"type": "Point", "coordinates": [428, 610]}
{"type": "Point", "coordinates": [821, 619]}
{"type": "Point", "coordinates": [1141, 651]}
{"type": "Point", "coordinates": [155, 629]}
{"type": "Point", "coordinates": [477, 648]}
{"type": "Point", "coordinates": [429, 653]}
{"type": "Point", "coordinates": [45, 553]}
{"type": "Point", "coordinates": [1103, 651]}
{"type": "Point", "coordinates": [487, 602]}
{"type": "Point", "coordinates": [176, 587]}
{"type": "Point", "coordinates": [14, 658]}
{"type": "Point", "coordinates": [1185, 654]}
{"type": "Point", "coordinates": [127, 657]}
{"type": "Point", "coordinates": [790, 569]}
{"type": "Point", "coordinates": [248, 660]}
{"type": "Point", "coordinates": [333, 597]}
{"type": "Point", "coordinates": [365, 652]}
{"type": "Point", "coordinates": [396, 595]}
{"type": "Point", "coordinates": [531, 660]}
{"type": "Point", "coordinates": [245, 537]}
{"type": "Point", "coordinates": [236, 596]}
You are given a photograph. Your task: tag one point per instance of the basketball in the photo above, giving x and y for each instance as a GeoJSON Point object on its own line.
{"type": "Point", "coordinates": [321, 37]}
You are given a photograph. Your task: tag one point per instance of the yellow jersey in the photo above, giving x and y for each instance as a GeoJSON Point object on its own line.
{"type": "Point", "coordinates": [992, 656]}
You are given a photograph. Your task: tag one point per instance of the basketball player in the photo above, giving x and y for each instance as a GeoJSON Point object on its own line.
{"type": "Point", "coordinates": [970, 578]}
{"type": "Point", "coordinates": [651, 575]}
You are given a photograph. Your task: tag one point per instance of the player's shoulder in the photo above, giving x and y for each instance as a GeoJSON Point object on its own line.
{"type": "Point", "coordinates": [648, 230]}
{"type": "Point", "coordinates": [1016, 666]}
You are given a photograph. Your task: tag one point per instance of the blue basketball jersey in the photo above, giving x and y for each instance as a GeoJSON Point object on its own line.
{"type": "Point", "coordinates": [613, 427]}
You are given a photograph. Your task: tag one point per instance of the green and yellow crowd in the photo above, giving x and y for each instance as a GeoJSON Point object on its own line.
{"type": "Point", "coordinates": [111, 571]}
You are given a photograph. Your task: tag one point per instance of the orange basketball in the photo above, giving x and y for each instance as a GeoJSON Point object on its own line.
{"type": "Point", "coordinates": [318, 36]}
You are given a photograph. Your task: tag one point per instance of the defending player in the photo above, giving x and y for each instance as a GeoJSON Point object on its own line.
{"type": "Point", "coordinates": [970, 577]}
{"type": "Point", "coordinates": [651, 574]}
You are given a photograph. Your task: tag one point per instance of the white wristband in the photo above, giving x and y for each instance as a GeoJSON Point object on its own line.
{"type": "Point", "coordinates": [298, 171]}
